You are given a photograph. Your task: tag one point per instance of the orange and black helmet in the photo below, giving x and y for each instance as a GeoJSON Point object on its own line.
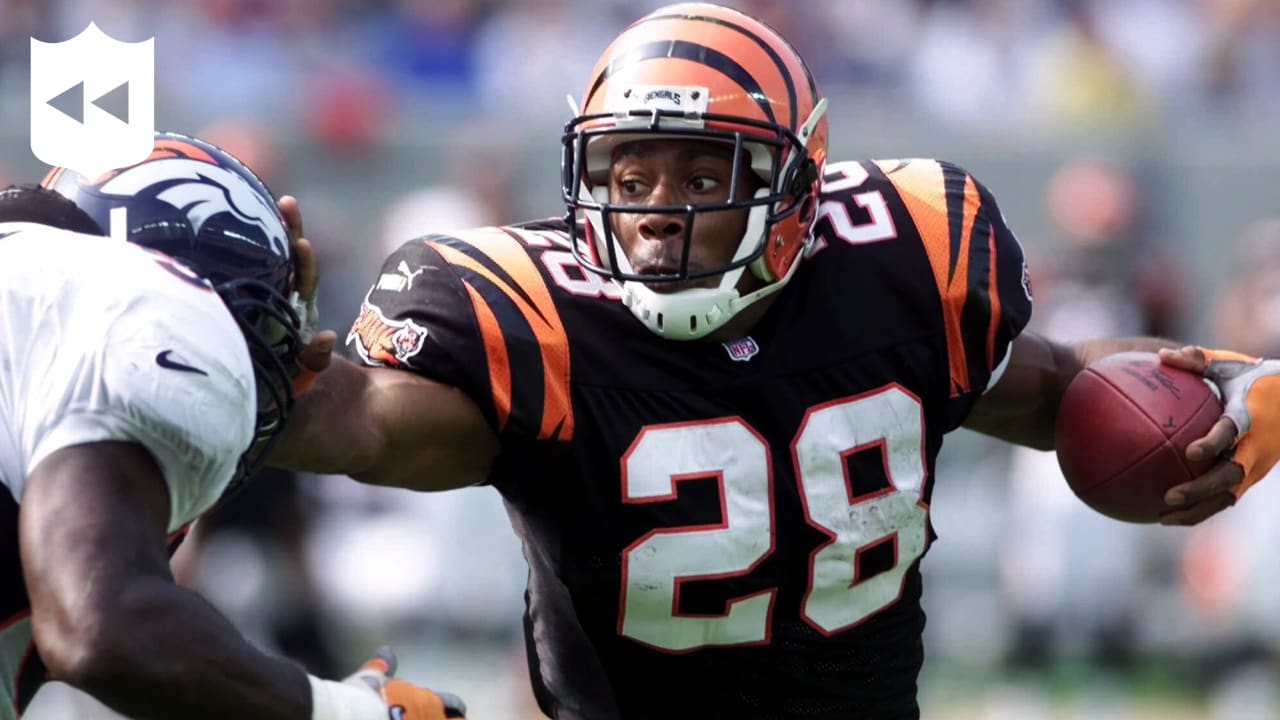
{"type": "Point", "coordinates": [697, 70]}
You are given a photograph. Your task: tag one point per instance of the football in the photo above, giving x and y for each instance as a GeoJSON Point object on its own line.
{"type": "Point", "coordinates": [1122, 432]}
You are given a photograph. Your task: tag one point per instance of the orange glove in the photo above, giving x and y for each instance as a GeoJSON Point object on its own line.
{"type": "Point", "coordinates": [406, 701]}
{"type": "Point", "coordinates": [1250, 390]}
{"type": "Point", "coordinates": [410, 702]}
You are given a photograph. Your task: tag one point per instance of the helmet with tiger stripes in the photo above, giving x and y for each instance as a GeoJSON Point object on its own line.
{"type": "Point", "coordinates": [710, 73]}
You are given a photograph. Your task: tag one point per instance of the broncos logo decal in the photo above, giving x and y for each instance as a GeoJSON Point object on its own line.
{"type": "Point", "coordinates": [202, 190]}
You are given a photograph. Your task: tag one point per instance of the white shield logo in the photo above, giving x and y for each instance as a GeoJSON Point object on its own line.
{"type": "Point", "coordinates": [92, 102]}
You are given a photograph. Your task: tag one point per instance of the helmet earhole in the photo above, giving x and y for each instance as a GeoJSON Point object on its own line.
{"type": "Point", "coordinates": [806, 209]}
{"type": "Point", "coordinates": [804, 177]}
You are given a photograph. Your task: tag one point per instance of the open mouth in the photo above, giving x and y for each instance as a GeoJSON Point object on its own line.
{"type": "Point", "coordinates": [667, 271]}
{"type": "Point", "coordinates": [665, 277]}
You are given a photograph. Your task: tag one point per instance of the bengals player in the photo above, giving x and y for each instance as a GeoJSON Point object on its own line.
{"type": "Point", "coordinates": [713, 396]}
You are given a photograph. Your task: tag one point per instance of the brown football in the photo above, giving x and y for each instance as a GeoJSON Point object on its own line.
{"type": "Point", "coordinates": [1123, 429]}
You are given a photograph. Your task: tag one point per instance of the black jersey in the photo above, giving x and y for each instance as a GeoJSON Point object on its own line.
{"type": "Point", "coordinates": [723, 529]}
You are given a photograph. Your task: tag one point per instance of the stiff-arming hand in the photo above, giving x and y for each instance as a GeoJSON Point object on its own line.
{"type": "Point", "coordinates": [318, 352]}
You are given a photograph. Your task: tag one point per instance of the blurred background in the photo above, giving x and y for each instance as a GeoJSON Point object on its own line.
{"type": "Point", "coordinates": [1134, 145]}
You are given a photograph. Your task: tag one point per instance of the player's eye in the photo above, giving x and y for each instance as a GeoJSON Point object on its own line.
{"type": "Point", "coordinates": [703, 183]}
{"type": "Point", "coordinates": [630, 187]}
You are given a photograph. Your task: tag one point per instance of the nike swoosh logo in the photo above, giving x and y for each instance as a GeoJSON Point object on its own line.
{"type": "Point", "coordinates": [164, 361]}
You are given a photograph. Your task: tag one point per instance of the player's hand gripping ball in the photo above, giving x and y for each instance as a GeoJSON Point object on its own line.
{"type": "Point", "coordinates": [1122, 432]}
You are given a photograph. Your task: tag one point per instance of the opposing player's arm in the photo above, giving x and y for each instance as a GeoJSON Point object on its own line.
{"type": "Point", "coordinates": [388, 427]}
{"type": "Point", "coordinates": [107, 616]}
{"type": "Point", "coordinates": [1022, 405]}
{"type": "Point", "coordinates": [109, 619]}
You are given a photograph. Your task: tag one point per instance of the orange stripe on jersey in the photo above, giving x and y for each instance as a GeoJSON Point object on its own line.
{"type": "Point", "coordinates": [921, 186]}
{"type": "Point", "coordinates": [993, 291]}
{"type": "Point", "coordinates": [553, 343]}
{"type": "Point", "coordinates": [496, 352]}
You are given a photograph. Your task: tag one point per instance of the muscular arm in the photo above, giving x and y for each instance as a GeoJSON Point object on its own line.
{"type": "Point", "coordinates": [1021, 408]}
{"type": "Point", "coordinates": [106, 614]}
{"type": "Point", "coordinates": [387, 427]}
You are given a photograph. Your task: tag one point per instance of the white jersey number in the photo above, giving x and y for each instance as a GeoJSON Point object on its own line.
{"type": "Point", "coordinates": [654, 566]}
{"type": "Point", "coordinates": [878, 227]}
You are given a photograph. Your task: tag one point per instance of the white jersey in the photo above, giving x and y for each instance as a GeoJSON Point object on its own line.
{"type": "Point", "coordinates": [102, 340]}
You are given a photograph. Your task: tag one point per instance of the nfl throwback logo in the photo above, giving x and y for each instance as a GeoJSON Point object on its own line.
{"type": "Point", "coordinates": [92, 102]}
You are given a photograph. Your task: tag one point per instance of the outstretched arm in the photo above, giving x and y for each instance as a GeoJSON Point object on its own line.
{"type": "Point", "coordinates": [108, 618]}
{"type": "Point", "coordinates": [378, 425]}
{"type": "Point", "coordinates": [106, 614]}
{"type": "Point", "coordinates": [387, 427]}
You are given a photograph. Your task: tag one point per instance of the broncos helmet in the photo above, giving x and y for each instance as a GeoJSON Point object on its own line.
{"type": "Point", "coordinates": [705, 72]}
{"type": "Point", "coordinates": [198, 204]}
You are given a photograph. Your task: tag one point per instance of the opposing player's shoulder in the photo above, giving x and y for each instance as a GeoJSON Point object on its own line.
{"type": "Point", "coordinates": [180, 359]}
{"type": "Point", "coordinates": [173, 345]}
{"type": "Point", "coordinates": [11, 229]}
{"type": "Point", "coordinates": [146, 352]}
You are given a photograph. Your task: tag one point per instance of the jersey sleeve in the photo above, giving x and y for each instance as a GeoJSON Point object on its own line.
{"type": "Point", "coordinates": [170, 372]}
{"type": "Point", "coordinates": [979, 270]}
{"type": "Point", "coordinates": [473, 310]}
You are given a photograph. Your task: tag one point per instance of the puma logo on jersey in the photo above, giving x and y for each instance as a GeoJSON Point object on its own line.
{"type": "Point", "coordinates": [202, 190]}
{"type": "Point", "coordinates": [400, 280]}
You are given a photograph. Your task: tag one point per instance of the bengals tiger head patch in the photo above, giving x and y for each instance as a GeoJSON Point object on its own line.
{"type": "Point", "coordinates": [380, 341]}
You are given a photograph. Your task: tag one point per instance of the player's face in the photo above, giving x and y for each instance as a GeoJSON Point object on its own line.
{"type": "Point", "coordinates": [677, 172]}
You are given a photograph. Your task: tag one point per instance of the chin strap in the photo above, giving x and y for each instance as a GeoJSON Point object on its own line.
{"type": "Point", "coordinates": [711, 313]}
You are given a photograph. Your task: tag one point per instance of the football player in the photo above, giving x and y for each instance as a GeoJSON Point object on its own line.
{"type": "Point", "coordinates": [138, 382]}
{"type": "Point", "coordinates": [713, 396]}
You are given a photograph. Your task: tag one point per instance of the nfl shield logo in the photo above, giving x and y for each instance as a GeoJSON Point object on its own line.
{"type": "Point", "coordinates": [742, 349]}
{"type": "Point", "coordinates": [92, 102]}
